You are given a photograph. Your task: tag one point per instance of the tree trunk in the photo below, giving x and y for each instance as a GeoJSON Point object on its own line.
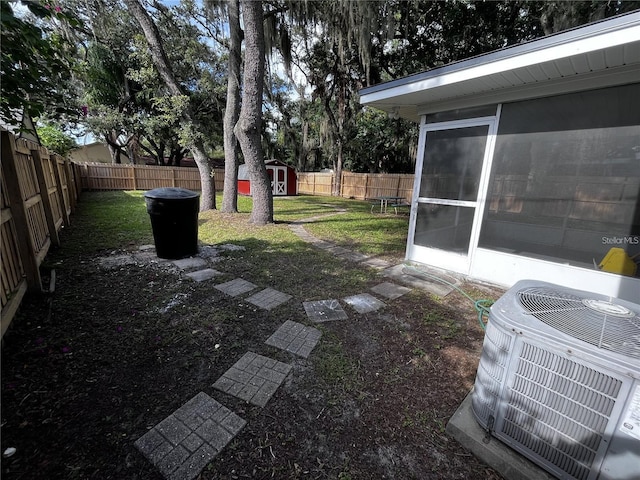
{"type": "Point", "coordinates": [151, 33]}
{"type": "Point", "coordinates": [248, 129]}
{"type": "Point", "coordinates": [232, 111]}
{"type": "Point", "coordinates": [207, 180]}
{"type": "Point", "coordinates": [337, 184]}
{"type": "Point", "coordinates": [114, 149]}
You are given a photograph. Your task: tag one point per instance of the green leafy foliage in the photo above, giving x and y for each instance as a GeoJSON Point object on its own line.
{"type": "Point", "coordinates": [52, 137]}
{"type": "Point", "coordinates": [36, 62]}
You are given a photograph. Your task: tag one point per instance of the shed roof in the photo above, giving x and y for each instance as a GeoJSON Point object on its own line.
{"type": "Point", "coordinates": [597, 55]}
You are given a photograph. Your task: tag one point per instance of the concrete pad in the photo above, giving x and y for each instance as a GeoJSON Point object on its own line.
{"type": "Point", "coordinates": [187, 440]}
{"type": "Point", "coordinates": [390, 290]}
{"type": "Point", "coordinates": [115, 261]}
{"type": "Point", "coordinates": [295, 338]}
{"type": "Point", "coordinates": [148, 256]}
{"type": "Point", "coordinates": [202, 275]}
{"type": "Point", "coordinates": [230, 247]}
{"type": "Point", "coordinates": [355, 257]}
{"type": "Point", "coordinates": [191, 262]}
{"type": "Point", "coordinates": [429, 279]}
{"type": "Point", "coordinates": [324, 311]}
{"type": "Point", "coordinates": [507, 462]}
{"type": "Point", "coordinates": [268, 298]}
{"type": "Point", "coordinates": [236, 287]}
{"type": "Point", "coordinates": [364, 303]}
{"type": "Point", "coordinates": [254, 378]}
{"type": "Point", "coordinates": [208, 251]}
{"type": "Point", "coordinates": [376, 263]}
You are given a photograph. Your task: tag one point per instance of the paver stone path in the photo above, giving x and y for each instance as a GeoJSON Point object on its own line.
{"type": "Point", "coordinates": [295, 338]}
{"type": "Point", "coordinates": [324, 311]}
{"type": "Point", "coordinates": [364, 303]}
{"type": "Point", "coordinates": [254, 378]}
{"type": "Point", "coordinates": [187, 440]}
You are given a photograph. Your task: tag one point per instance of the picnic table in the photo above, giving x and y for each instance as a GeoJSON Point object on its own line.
{"type": "Point", "coordinates": [386, 200]}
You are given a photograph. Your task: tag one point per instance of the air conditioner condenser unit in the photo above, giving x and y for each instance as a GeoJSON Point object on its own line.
{"type": "Point", "coordinates": [559, 380]}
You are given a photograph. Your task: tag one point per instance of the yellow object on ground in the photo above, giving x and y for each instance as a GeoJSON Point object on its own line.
{"type": "Point", "coordinates": [617, 261]}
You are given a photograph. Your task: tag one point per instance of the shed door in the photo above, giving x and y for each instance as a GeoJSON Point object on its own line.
{"type": "Point", "coordinates": [451, 182]}
{"type": "Point", "coordinates": [279, 181]}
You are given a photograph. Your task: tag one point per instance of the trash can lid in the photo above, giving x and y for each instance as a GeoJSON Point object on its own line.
{"type": "Point", "coordinates": [170, 192]}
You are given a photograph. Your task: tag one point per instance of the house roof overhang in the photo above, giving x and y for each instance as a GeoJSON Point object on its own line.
{"type": "Point", "coordinates": [598, 55]}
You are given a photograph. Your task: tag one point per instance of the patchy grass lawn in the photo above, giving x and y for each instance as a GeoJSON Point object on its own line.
{"type": "Point", "coordinates": [90, 368]}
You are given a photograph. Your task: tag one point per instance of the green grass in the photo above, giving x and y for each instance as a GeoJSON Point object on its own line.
{"type": "Point", "coordinates": [335, 367]}
{"type": "Point", "coordinates": [107, 220]}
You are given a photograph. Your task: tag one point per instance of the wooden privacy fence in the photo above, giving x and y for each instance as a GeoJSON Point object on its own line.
{"type": "Point", "coordinates": [39, 192]}
{"type": "Point", "coordinates": [370, 185]}
{"type": "Point", "coordinates": [100, 176]}
{"type": "Point", "coordinates": [360, 186]}
{"type": "Point", "coordinates": [315, 183]}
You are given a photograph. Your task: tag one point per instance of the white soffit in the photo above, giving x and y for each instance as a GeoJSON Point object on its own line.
{"type": "Point", "coordinates": [600, 54]}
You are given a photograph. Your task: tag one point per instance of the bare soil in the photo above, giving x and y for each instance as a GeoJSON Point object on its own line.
{"type": "Point", "coordinates": [89, 368]}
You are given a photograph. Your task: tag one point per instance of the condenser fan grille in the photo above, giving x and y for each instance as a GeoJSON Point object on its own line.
{"type": "Point", "coordinates": [606, 325]}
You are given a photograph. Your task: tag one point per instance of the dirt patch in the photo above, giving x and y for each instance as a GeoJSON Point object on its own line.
{"type": "Point", "coordinates": [122, 343]}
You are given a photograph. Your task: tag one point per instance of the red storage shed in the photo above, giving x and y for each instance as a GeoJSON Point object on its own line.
{"type": "Point", "coordinates": [284, 180]}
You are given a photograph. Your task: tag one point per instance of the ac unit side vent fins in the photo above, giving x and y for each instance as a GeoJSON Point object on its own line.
{"type": "Point", "coordinates": [544, 450]}
{"type": "Point", "coordinates": [559, 409]}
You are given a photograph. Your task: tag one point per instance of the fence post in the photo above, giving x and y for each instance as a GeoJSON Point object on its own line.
{"type": "Point", "coordinates": [19, 213]}
{"type": "Point", "coordinates": [63, 204]}
{"type": "Point", "coordinates": [72, 194]}
{"type": "Point", "coordinates": [44, 194]}
{"type": "Point", "coordinates": [366, 187]}
{"type": "Point", "coordinates": [77, 181]}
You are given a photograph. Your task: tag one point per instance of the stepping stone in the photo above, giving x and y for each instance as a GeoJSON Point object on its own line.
{"type": "Point", "coordinates": [147, 248]}
{"type": "Point", "coordinates": [376, 263]}
{"type": "Point", "coordinates": [431, 280]}
{"type": "Point", "coordinates": [148, 256]}
{"type": "Point", "coordinates": [230, 247]}
{"type": "Point", "coordinates": [253, 378]}
{"type": "Point", "coordinates": [364, 303]}
{"type": "Point", "coordinates": [187, 440]}
{"type": "Point", "coordinates": [324, 311]}
{"type": "Point", "coordinates": [295, 338]}
{"type": "Point", "coordinates": [191, 262]}
{"type": "Point", "coordinates": [202, 275]}
{"type": "Point", "coordinates": [236, 287]}
{"type": "Point", "coordinates": [341, 252]}
{"type": "Point", "coordinates": [115, 261]}
{"type": "Point", "coordinates": [390, 290]}
{"type": "Point", "coordinates": [268, 298]}
{"type": "Point", "coordinates": [208, 251]}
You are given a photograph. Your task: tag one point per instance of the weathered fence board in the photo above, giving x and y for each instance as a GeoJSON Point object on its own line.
{"type": "Point", "coordinates": [100, 176]}
{"type": "Point", "coordinates": [370, 185]}
{"type": "Point", "coordinates": [361, 186]}
{"type": "Point", "coordinates": [315, 183]}
{"type": "Point", "coordinates": [37, 195]}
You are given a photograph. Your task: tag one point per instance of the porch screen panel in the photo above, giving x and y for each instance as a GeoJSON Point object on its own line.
{"type": "Point", "coordinates": [565, 177]}
{"type": "Point", "coordinates": [445, 227]}
{"type": "Point", "coordinates": [452, 163]}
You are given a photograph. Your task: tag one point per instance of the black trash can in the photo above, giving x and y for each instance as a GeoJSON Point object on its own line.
{"type": "Point", "coordinates": [174, 220]}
